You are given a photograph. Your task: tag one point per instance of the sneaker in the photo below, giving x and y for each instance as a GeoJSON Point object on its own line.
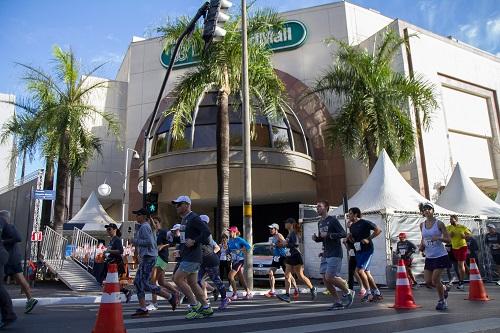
{"type": "Point", "coordinates": [215, 294]}
{"type": "Point", "coordinates": [498, 283]}
{"type": "Point", "coordinates": [377, 298]}
{"type": "Point", "coordinates": [224, 303]}
{"type": "Point", "coordinates": [336, 306]}
{"type": "Point", "coordinates": [367, 298]}
{"type": "Point", "coordinates": [30, 305]}
{"type": "Point", "coordinates": [193, 311]}
{"type": "Point", "coordinates": [460, 286]}
{"type": "Point", "coordinates": [206, 312]}
{"type": "Point", "coordinates": [174, 301]}
{"type": "Point", "coordinates": [270, 293]}
{"type": "Point", "coordinates": [314, 293]}
{"type": "Point", "coordinates": [128, 296]}
{"type": "Point", "coordinates": [362, 292]}
{"type": "Point", "coordinates": [152, 307]}
{"type": "Point", "coordinates": [234, 297]}
{"type": "Point", "coordinates": [445, 293]}
{"type": "Point", "coordinates": [248, 296]}
{"type": "Point", "coordinates": [349, 298]}
{"type": "Point", "coordinates": [284, 298]}
{"type": "Point", "coordinates": [296, 295]}
{"type": "Point", "coordinates": [182, 297]}
{"type": "Point", "coordinates": [6, 323]}
{"type": "Point", "coordinates": [414, 286]}
{"type": "Point", "coordinates": [140, 313]}
{"type": "Point", "coordinates": [441, 305]}
{"type": "Point", "coordinates": [326, 292]}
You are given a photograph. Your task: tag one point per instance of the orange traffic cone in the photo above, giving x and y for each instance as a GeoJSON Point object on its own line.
{"type": "Point", "coordinates": [404, 294]}
{"type": "Point", "coordinates": [109, 317]}
{"type": "Point", "coordinates": [477, 292]}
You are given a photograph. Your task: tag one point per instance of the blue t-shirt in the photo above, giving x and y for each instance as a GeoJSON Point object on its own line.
{"type": "Point", "coordinates": [235, 245]}
{"type": "Point", "coordinates": [278, 251]}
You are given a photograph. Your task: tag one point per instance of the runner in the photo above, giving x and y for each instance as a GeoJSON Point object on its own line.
{"type": "Point", "coordinates": [6, 309]}
{"type": "Point", "coordinates": [294, 261]}
{"type": "Point", "coordinates": [238, 247]}
{"type": "Point", "coordinates": [493, 243]}
{"type": "Point", "coordinates": [225, 258]}
{"type": "Point", "coordinates": [405, 249]}
{"type": "Point", "coordinates": [361, 237]}
{"type": "Point", "coordinates": [434, 234]}
{"type": "Point", "coordinates": [193, 233]}
{"type": "Point", "coordinates": [210, 266]}
{"type": "Point", "coordinates": [114, 254]}
{"type": "Point", "coordinates": [145, 243]}
{"type": "Point", "coordinates": [352, 274]}
{"type": "Point", "coordinates": [453, 264]}
{"type": "Point", "coordinates": [13, 267]}
{"type": "Point", "coordinates": [459, 234]}
{"type": "Point", "coordinates": [330, 233]}
{"type": "Point", "coordinates": [278, 261]}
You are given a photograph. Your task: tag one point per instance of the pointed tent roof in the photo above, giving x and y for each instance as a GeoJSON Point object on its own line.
{"type": "Point", "coordinates": [92, 215]}
{"type": "Point", "coordinates": [385, 188]}
{"type": "Point", "coordinates": [497, 199]}
{"type": "Point", "coordinates": [462, 195]}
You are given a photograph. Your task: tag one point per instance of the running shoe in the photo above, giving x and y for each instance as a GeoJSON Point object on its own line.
{"type": "Point", "coordinates": [30, 305]}
{"type": "Point", "coordinates": [367, 298]}
{"type": "Point", "coordinates": [224, 303]}
{"type": "Point", "coordinates": [377, 298]}
{"type": "Point", "coordinates": [215, 294]}
{"type": "Point", "coordinates": [445, 293]}
{"type": "Point", "coordinates": [498, 283]}
{"type": "Point", "coordinates": [441, 305]}
{"type": "Point", "coordinates": [460, 286]}
{"type": "Point", "coordinates": [314, 293]}
{"type": "Point", "coordinates": [128, 296]}
{"type": "Point", "coordinates": [349, 298]}
{"type": "Point", "coordinates": [6, 323]}
{"type": "Point", "coordinates": [296, 295]}
{"type": "Point", "coordinates": [362, 292]}
{"type": "Point", "coordinates": [202, 313]}
{"type": "Point", "coordinates": [284, 298]}
{"type": "Point", "coordinates": [326, 292]}
{"type": "Point", "coordinates": [336, 306]}
{"type": "Point", "coordinates": [248, 296]}
{"type": "Point", "coordinates": [193, 311]}
{"type": "Point", "coordinates": [234, 297]}
{"type": "Point", "coordinates": [140, 313]}
{"type": "Point", "coordinates": [174, 300]}
{"type": "Point", "coordinates": [152, 307]}
{"type": "Point", "coordinates": [270, 293]}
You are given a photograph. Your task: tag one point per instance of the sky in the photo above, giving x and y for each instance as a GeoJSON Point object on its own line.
{"type": "Point", "coordinates": [100, 31]}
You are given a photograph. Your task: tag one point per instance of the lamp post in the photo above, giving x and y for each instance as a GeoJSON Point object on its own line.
{"type": "Point", "coordinates": [135, 156]}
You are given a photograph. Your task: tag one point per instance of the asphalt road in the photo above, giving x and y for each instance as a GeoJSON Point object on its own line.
{"type": "Point", "coordinates": [265, 315]}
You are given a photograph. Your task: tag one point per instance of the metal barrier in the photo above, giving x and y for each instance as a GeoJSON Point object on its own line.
{"type": "Point", "coordinates": [54, 248]}
{"type": "Point", "coordinates": [83, 248]}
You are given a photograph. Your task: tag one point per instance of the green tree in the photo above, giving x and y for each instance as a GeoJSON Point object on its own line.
{"type": "Point", "coordinates": [55, 118]}
{"type": "Point", "coordinates": [373, 112]}
{"type": "Point", "coordinates": [220, 69]}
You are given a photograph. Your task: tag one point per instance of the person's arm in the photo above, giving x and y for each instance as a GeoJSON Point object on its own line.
{"type": "Point", "coordinates": [422, 244]}
{"type": "Point", "coordinates": [143, 237]}
{"type": "Point", "coordinates": [376, 231]}
{"type": "Point", "coordinates": [445, 235]}
{"type": "Point", "coordinates": [335, 230]}
{"type": "Point", "coordinates": [244, 245]}
{"type": "Point", "coordinates": [281, 241]}
{"type": "Point", "coordinates": [10, 236]}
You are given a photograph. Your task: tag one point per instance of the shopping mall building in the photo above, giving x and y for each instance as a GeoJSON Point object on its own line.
{"type": "Point", "coordinates": [290, 162]}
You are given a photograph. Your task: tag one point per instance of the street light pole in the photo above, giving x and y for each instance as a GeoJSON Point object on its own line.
{"type": "Point", "coordinates": [125, 179]}
{"type": "Point", "coordinates": [247, 164]}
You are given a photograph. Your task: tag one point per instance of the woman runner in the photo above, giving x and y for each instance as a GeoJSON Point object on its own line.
{"type": "Point", "coordinates": [114, 254]}
{"type": "Point", "coordinates": [238, 247]}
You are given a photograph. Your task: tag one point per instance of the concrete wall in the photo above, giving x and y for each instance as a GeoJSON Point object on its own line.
{"type": "Point", "coordinates": [7, 160]}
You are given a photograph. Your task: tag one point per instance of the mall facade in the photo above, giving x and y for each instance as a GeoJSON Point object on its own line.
{"type": "Point", "coordinates": [290, 162]}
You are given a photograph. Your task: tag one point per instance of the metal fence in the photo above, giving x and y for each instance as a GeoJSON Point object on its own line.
{"type": "Point", "coordinates": [83, 248]}
{"type": "Point", "coordinates": [54, 248]}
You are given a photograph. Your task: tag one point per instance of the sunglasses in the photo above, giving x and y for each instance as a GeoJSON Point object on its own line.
{"type": "Point", "coordinates": [109, 229]}
{"type": "Point", "coordinates": [178, 204]}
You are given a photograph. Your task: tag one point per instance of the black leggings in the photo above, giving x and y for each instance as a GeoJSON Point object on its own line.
{"type": "Point", "coordinates": [224, 269]}
{"type": "Point", "coordinates": [352, 269]}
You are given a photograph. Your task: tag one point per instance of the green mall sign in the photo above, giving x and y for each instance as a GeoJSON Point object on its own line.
{"type": "Point", "coordinates": [292, 36]}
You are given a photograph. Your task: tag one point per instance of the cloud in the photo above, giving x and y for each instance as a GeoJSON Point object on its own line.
{"type": "Point", "coordinates": [429, 10]}
{"type": "Point", "coordinates": [493, 27]}
{"type": "Point", "coordinates": [470, 32]}
{"type": "Point", "coordinates": [106, 56]}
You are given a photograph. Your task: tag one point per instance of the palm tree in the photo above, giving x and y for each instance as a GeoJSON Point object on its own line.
{"type": "Point", "coordinates": [374, 100]}
{"type": "Point", "coordinates": [220, 69]}
{"type": "Point", "coordinates": [57, 113]}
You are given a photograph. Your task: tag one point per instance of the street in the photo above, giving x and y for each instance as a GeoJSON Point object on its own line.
{"type": "Point", "coordinates": [265, 315]}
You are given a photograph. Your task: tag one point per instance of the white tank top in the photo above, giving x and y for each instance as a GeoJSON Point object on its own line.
{"type": "Point", "coordinates": [433, 248]}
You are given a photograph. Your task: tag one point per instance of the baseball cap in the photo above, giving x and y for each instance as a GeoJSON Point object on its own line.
{"type": "Point", "coordinates": [111, 225]}
{"type": "Point", "coordinates": [491, 225]}
{"type": "Point", "coordinates": [140, 211]}
{"type": "Point", "coordinates": [274, 226]}
{"type": "Point", "coordinates": [428, 204]}
{"type": "Point", "coordinates": [402, 234]}
{"type": "Point", "coordinates": [182, 198]}
{"type": "Point", "coordinates": [176, 227]}
{"type": "Point", "coordinates": [205, 218]}
{"type": "Point", "coordinates": [233, 228]}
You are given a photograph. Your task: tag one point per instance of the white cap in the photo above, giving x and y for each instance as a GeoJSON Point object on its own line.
{"type": "Point", "coordinates": [274, 226]}
{"type": "Point", "coordinates": [491, 225]}
{"type": "Point", "coordinates": [205, 218]}
{"type": "Point", "coordinates": [182, 198]}
{"type": "Point", "coordinates": [176, 227]}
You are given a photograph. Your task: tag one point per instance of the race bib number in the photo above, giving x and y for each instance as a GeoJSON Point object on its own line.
{"type": "Point", "coordinates": [430, 242]}
{"type": "Point", "coordinates": [276, 258]}
{"type": "Point", "coordinates": [287, 252]}
{"type": "Point", "coordinates": [357, 246]}
{"type": "Point", "coordinates": [183, 237]}
{"type": "Point", "coordinates": [402, 252]}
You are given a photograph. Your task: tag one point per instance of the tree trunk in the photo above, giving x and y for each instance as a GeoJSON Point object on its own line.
{"type": "Point", "coordinates": [223, 161]}
{"type": "Point", "coordinates": [371, 150]}
{"type": "Point", "coordinates": [61, 185]}
{"type": "Point", "coordinates": [48, 184]}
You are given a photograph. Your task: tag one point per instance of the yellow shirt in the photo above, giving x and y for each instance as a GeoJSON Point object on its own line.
{"type": "Point", "coordinates": [456, 233]}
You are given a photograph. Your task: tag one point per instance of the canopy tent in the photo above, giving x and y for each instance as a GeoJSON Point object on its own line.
{"type": "Point", "coordinates": [91, 217]}
{"type": "Point", "coordinates": [462, 195]}
{"type": "Point", "coordinates": [497, 199]}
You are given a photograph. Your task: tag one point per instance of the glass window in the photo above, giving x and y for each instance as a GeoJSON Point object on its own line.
{"type": "Point", "coordinates": [298, 140]}
{"type": "Point", "coordinates": [206, 115]}
{"type": "Point", "coordinates": [235, 114]}
{"type": "Point", "coordinates": [236, 135]}
{"type": "Point", "coordinates": [165, 126]}
{"type": "Point", "coordinates": [204, 136]}
{"type": "Point", "coordinates": [161, 144]}
{"type": "Point", "coordinates": [279, 122]}
{"type": "Point", "coordinates": [281, 139]}
{"type": "Point", "coordinates": [182, 143]}
{"type": "Point", "coordinates": [261, 136]}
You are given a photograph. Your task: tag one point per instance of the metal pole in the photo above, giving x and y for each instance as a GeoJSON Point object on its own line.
{"type": "Point", "coordinates": [247, 167]}
{"type": "Point", "coordinates": [192, 25]}
{"type": "Point", "coordinates": [28, 238]}
{"type": "Point", "coordinates": [125, 177]}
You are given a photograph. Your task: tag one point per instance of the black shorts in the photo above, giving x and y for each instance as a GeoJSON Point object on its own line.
{"type": "Point", "coordinates": [437, 263]}
{"type": "Point", "coordinates": [279, 263]}
{"type": "Point", "coordinates": [11, 269]}
{"type": "Point", "coordinates": [237, 265]}
{"type": "Point", "coordinates": [295, 260]}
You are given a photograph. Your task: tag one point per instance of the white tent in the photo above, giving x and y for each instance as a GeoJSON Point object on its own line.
{"type": "Point", "coordinates": [92, 216]}
{"type": "Point", "coordinates": [462, 195]}
{"type": "Point", "coordinates": [389, 201]}
{"type": "Point", "coordinates": [497, 198]}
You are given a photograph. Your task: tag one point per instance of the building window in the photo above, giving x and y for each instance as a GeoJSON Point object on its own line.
{"type": "Point", "coordinates": [204, 136]}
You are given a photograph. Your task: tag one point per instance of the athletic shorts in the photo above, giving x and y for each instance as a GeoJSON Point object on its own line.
{"type": "Point", "coordinates": [363, 260]}
{"type": "Point", "coordinates": [278, 262]}
{"type": "Point", "coordinates": [11, 269]}
{"type": "Point", "coordinates": [295, 260]}
{"type": "Point", "coordinates": [161, 264]}
{"type": "Point", "coordinates": [331, 266]}
{"type": "Point", "coordinates": [460, 254]}
{"type": "Point", "coordinates": [437, 263]}
{"type": "Point", "coordinates": [237, 265]}
{"type": "Point", "coordinates": [189, 266]}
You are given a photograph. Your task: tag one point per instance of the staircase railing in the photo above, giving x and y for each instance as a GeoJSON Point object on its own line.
{"type": "Point", "coordinates": [83, 248]}
{"type": "Point", "coordinates": [54, 248]}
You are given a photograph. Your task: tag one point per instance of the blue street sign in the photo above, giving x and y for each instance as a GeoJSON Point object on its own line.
{"type": "Point", "coordinates": [45, 194]}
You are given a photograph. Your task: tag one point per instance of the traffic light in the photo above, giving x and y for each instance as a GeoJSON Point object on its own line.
{"type": "Point", "coordinates": [152, 203]}
{"type": "Point", "coordinates": [214, 20]}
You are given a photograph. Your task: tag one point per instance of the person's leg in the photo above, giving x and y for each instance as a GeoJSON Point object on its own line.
{"type": "Point", "coordinates": [410, 275]}
{"type": "Point", "coordinates": [299, 270]}
{"type": "Point", "coordinates": [243, 281]}
{"type": "Point", "coordinates": [436, 282]}
{"type": "Point", "coordinates": [213, 274]}
{"type": "Point", "coordinates": [231, 276]}
{"type": "Point", "coordinates": [272, 280]}
{"type": "Point", "coordinates": [6, 309]}
{"type": "Point", "coordinates": [192, 281]}
{"type": "Point", "coordinates": [160, 276]}
{"type": "Point", "coordinates": [351, 270]}
{"type": "Point", "coordinates": [461, 271]}
{"type": "Point", "coordinates": [363, 278]}
{"type": "Point", "coordinates": [140, 276]}
{"type": "Point", "coordinates": [180, 280]}
{"type": "Point", "coordinates": [25, 287]}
